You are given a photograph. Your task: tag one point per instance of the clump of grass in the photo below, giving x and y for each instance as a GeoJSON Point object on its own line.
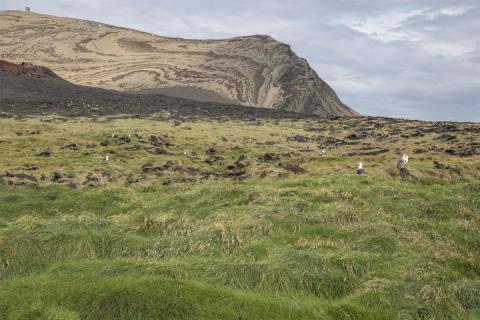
{"type": "Point", "coordinates": [167, 224]}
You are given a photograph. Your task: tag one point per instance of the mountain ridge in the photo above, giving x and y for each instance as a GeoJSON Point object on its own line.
{"type": "Point", "coordinates": [254, 70]}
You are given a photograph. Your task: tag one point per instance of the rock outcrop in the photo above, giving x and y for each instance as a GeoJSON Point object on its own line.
{"type": "Point", "coordinates": [26, 70]}
{"type": "Point", "coordinates": [253, 71]}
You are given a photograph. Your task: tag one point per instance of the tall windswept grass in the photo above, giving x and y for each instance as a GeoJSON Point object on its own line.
{"type": "Point", "coordinates": [327, 244]}
{"type": "Point", "coordinates": [344, 254]}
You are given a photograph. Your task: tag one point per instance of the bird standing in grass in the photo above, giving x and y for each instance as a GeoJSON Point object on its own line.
{"type": "Point", "coordinates": [402, 166]}
{"type": "Point", "coordinates": [360, 170]}
{"type": "Point", "coordinates": [105, 159]}
{"type": "Point", "coordinates": [402, 163]}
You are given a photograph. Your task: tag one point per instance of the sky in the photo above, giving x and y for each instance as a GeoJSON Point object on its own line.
{"type": "Point", "coordinates": [415, 59]}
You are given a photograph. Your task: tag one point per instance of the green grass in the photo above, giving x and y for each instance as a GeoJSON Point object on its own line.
{"type": "Point", "coordinates": [323, 245]}
{"type": "Point", "coordinates": [228, 250]}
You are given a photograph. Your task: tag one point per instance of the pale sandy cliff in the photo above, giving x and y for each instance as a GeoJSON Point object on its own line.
{"type": "Point", "coordinates": [256, 70]}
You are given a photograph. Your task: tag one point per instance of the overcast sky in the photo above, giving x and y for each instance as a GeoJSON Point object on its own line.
{"type": "Point", "coordinates": [401, 58]}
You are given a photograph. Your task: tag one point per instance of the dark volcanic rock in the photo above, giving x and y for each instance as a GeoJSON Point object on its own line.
{"type": "Point", "coordinates": [135, 179]}
{"type": "Point", "coordinates": [462, 152]}
{"type": "Point", "coordinates": [292, 168]}
{"type": "Point", "coordinates": [447, 137]}
{"type": "Point", "coordinates": [299, 138]}
{"type": "Point", "coordinates": [404, 172]}
{"type": "Point", "coordinates": [30, 167]}
{"type": "Point", "coordinates": [91, 180]}
{"type": "Point", "coordinates": [452, 170]}
{"type": "Point", "coordinates": [269, 157]}
{"type": "Point", "coordinates": [44, 154]}
{"type": "Point", "coordinates": [159, 141]}
{"type": "Point", "coordinates": [355, 136]}
{"type": "Point", "coordinates": [56, 177]}
{"type": "Point", "coordinates": [332, 141]}
{"type": "Point", "coordinates": [214, 159]}
{"type": "Point", "coordinates": [124, 139]}
{"type": "Point", "coordinates": [157, 151]}
{"type": "Point", "coordinates": [300, 206]}
{"type": "Point", "coordinates": [72, 146]}
{"type": "Point", "coordinates": [366, 153]}
{"type": "Point", "coordinates": [419, 151]}
{"type": "Point", "coordinates": [211, 151]}
{"type": "Point", "coordinates": [151, 167]}
{"type": "Point", "coordinates": [17, 179]}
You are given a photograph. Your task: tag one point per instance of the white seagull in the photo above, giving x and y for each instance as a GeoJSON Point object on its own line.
{"type": "Point", "coordinates": [360, 170]}
{"type": "Point", "coordinates": [105, 159]}
{"type": "Point", "coordinates": [402, 163]}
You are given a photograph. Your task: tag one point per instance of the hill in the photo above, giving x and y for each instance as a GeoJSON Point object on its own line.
{"type": "Point", "coordinates": [28, 90]}
{"type": "Point", "coordinates": [254, 71]}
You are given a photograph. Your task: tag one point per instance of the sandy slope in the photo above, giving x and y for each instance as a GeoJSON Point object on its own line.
{"type": "Point", "coordinates": [256, 71]}
{"type": "Point", "coordinates": [28, 90]}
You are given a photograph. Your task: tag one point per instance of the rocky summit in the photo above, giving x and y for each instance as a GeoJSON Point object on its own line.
{"type": "Point", "coordinates": [253, 71]}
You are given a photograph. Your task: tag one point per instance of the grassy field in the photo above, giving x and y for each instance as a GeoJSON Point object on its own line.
{"type": "Point", "coordinates": [228, 219]}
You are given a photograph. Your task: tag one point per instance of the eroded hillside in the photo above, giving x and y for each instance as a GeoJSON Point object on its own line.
{"type": "Point", "coordinates": [256, 71]}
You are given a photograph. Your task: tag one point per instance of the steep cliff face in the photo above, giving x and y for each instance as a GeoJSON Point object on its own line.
{"type": "Point", "coordinates": [255, 71]}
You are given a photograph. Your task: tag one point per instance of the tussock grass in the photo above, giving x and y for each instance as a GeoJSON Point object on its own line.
{"type": "Point", "coordinates": [323, 245]}
{"type": "Point", "coordinates": [343, 261]}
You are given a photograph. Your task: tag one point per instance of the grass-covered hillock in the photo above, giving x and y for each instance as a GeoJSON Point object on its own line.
{"type": "Point", "coordinates": [238, 236]}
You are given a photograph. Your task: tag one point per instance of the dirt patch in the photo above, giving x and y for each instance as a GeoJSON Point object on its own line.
{"type": "Point", "coordinates": [17, 179]}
